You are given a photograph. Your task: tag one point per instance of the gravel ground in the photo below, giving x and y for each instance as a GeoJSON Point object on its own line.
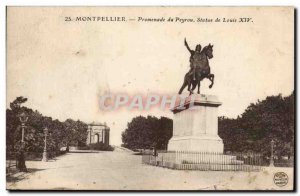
{"type": "Point", "coordinates": [124, 171]}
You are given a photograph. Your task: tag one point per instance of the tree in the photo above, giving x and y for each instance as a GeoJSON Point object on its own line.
{"type": "Point", "coordinates": [74, 132]}
{"type": "Point", "coordinates": [60, 133]}
{"type": "Point", "coordinates": [13, 126]}
{"type": "Point", "coordinates": [12, 120]}
{"type": "Point", "coordinates": [145, 133]}
{"type": "Point", "coordinates": [234, 137]}
{"type": "Point", "coordinates": [164, 133]}
{"type": "Point", "coordinates": [272, 118]}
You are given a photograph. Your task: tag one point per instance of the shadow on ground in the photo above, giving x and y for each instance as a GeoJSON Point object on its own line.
{"type": "Point", "coordinates": [85, 152]}
{"type": "Point", "coordinates": [16, 176]}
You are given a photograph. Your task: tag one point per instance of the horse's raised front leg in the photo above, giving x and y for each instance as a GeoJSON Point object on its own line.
{"type": "Point", "coordinates": [211, 77]}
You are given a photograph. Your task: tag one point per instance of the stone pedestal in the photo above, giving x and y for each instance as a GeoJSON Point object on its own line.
{"type": "Point", "coordinates": [195, 125]}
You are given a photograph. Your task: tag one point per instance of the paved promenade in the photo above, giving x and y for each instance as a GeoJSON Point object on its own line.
{"type": "Point", "coordinates": [121, 170]}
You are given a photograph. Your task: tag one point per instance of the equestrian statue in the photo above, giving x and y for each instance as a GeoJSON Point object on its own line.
{"type": "Point", "coordinates": [199, 68]}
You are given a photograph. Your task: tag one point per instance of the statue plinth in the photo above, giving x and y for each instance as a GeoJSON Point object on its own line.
{"type": "Point", "coordinates": [195, 125]}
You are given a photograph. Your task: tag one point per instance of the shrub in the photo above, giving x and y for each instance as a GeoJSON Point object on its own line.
{"type": "Point", "coordinates": [97, 146]}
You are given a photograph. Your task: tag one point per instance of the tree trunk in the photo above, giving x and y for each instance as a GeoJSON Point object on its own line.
{"type": "Point", "coordinates": [21, 166]}
{"type": "Point", "coordinates": [67, 149]}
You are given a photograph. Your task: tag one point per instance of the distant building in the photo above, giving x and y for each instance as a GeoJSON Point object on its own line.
{"type": "Point", "coordinates": [98, 132]}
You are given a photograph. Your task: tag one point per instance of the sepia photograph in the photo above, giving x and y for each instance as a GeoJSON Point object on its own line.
{"type": "Point", "coordinates": [156, 98]}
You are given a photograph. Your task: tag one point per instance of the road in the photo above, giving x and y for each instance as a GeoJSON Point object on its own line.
{"type": "Point", "coordinates": [120, 170]}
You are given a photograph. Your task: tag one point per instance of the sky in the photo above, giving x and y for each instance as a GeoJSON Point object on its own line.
{"type": "Point", "coordinates": [64, 67]}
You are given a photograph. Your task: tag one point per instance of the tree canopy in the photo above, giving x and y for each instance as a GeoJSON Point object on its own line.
{"type": "Point", "coordinates": [272, 118]}
{"type": "Point", "coordinates": [61, 134]}
{"type": "Point", "coordinates": [147, 132]}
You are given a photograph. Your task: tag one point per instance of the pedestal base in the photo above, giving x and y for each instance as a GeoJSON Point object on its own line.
{"type": "Point", "coordinates": [196, 143]}
{"type": "Point", "coordinates": [195, 125]}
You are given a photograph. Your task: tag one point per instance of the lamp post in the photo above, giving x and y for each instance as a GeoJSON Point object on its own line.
{"type": "Point", "coordinates": [272, 154]}
{"type": "Point", "coordinates": [45, 156]}
{"type": "Point", "coordinates": [23, 117]}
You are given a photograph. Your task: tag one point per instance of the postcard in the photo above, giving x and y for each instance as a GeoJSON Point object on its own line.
{"type": "Point", "coordinates": [150, 98]}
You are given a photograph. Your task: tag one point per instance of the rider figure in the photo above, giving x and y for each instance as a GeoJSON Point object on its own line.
{"type": "Point", "coordinates": [192, 70]}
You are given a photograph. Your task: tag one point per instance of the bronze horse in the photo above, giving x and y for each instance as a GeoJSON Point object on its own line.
{"type": "Point", "coordinates": [200, 63]}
